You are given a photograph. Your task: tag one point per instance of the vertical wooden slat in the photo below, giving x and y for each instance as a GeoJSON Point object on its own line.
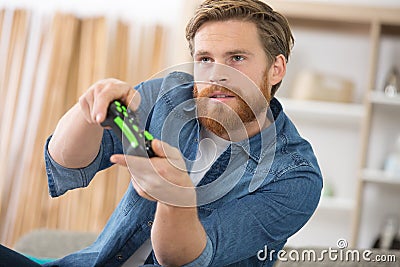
{"type": "Point", "coordinates": [2, 11]}
{"type": "Point", "coordinates": [31, 77]}
{"type": "Point", "coordinates": [71, 55]}
{"type": "Point", "coordinates": [158, 51]}
{"type": "Point", "coordinates": [375, 34]}
{"type": "Point", "coordinates": [11, 91]}
{"type": "Point", "coordinates": [2, 182]}
{"type": "Point", "coordinates": [5, 42]}
{"type": "Point", "coordinates": [13, 79]}
{"type": "Point", "coordinates": [32, 205]}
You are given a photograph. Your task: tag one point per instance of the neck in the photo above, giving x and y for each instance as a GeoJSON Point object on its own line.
{"type": "Point", "coordinates": [248, 130]}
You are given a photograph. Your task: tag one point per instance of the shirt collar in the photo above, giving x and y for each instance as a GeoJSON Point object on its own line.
{"type": "Point", "coordinates": [263, 143]}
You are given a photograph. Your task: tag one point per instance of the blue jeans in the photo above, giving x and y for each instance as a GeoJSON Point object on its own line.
{"type": "Point", "coordinates": [11, 258]}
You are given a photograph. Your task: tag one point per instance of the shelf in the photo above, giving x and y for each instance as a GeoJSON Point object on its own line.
{"type": "Point", "coordinates": [378, 97]}
{"type": "Point", "coordinates": [323, 110]}
{"type": "Point", "coordinates": [336, 203]}
{"type": "Point", "coordinates": [335, 12]}
{"type": "Point", "coordinates": [379, 177]}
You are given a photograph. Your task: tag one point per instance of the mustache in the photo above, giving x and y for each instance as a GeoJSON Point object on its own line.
{"type": "Point", "coordinates": [205, 92]}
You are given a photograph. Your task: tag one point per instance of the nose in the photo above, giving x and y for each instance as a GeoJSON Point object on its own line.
{"type": "Point", "coordinates": [219, 74]}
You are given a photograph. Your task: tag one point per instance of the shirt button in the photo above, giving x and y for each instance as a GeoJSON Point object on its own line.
{"type": "Point", "coordinates": [149, 223]}
{"type": "Point", "coordinates": [119, 257]}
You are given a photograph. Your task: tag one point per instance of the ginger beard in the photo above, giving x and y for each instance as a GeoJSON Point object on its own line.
{"type": "Point", "coordinates": [222, 118]}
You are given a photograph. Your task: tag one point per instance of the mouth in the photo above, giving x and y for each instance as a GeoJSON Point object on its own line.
{"type": "Point", "coordinates": [221, 96]}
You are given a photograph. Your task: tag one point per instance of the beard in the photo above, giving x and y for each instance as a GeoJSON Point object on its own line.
{"type": "Point", "coordinates": [224, 118]}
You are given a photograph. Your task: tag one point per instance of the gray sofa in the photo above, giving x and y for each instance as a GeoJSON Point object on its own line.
{"type": "Point", "coordinates": [52, 244]}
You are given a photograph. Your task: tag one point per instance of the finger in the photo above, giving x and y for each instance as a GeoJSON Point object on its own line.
{"type": "Point", "coordinates": [164, 150]}
{"type": "Point", "coordinates": [119, 159]}
{"type": "Point", "coordinates": [111, 91]}
{"type": "Point", "coordinates": [100, 104]}
{"type": "Point", "coordinates": [133, 99]}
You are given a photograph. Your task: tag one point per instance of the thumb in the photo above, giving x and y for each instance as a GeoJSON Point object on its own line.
{"type": "Point", "coordinates": [164, 150]}
{"type": "Point", "coordinates": [118, 159]}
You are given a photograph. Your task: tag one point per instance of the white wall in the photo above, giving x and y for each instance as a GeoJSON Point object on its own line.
{"type": "Point", "coordinates": [381, 3]}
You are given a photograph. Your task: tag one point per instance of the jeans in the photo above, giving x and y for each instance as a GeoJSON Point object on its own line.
{"type": "Point", "coordinates": [11, 258]}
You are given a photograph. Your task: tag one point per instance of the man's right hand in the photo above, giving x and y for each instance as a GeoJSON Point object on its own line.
{"type": "Point", "coordinates": [94, 102]}
{"type": "Point", "coordinates": [80, 126]}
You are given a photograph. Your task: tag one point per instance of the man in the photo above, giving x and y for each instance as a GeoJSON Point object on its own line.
{"type": "Point", "coordinates": [257, 181]}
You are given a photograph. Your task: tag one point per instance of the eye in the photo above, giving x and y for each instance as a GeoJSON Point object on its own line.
{"type": "Point", "coordinates": [205, 60]}
{"type": "Point", "coordinates": [238, 58]}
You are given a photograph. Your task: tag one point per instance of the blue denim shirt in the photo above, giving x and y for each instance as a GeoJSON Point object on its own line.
{"type": "Point", "coordinates": [257, 194]}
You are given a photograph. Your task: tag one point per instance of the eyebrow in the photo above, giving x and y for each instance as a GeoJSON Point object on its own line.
{"type": "Point", "coordinates": [229, 53]}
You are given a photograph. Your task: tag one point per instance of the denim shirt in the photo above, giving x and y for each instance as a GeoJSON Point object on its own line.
{"type": "Point", "coordinates": [257, 194]}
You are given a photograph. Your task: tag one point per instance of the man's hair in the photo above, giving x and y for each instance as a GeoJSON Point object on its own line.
{"type": "Point", "coordinates": [273, 28]}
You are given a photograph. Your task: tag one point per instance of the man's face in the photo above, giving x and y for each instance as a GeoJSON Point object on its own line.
{"type": "Point", "coordinates": [231, 75]}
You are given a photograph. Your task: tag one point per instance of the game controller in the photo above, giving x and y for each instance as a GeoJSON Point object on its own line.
{"type": "Point", "coordinates": [124, 123]}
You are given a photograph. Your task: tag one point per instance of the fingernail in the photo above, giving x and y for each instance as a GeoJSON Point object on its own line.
{"type": "Point", "coordinates": [98, 118]}
{"type": "Point", "coordinates": [158, 145]}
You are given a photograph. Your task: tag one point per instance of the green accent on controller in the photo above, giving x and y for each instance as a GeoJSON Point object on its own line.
{"type": "Point", "coordinates": [119, 109]}
{"type": "Point", "coordinates": [131, 137]}
{"type": "Point", "coordinates": [148, 135]}
{"type": "Point", "coordinates": [135, 128]}
{"type": "Point", "coordinates": [125, 113]}
{"type": "Point", "coordinates": [117, 103]}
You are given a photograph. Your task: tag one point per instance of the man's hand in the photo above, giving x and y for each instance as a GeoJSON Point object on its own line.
{"type": "Point", "coordinates": [95, 101]}
{"type": "Point", "coordinates": [163, 178]}
{"type": "Point", "coordinates": [80, 126]}
{"type": "Point", "coordinates": [177, 235]}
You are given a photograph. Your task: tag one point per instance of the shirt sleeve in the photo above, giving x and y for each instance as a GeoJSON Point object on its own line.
{"type": "Point", "coordinates": [205, 258]}
{"type": "Point", "coordinates": [62, 179]}
{"type": "Point", "coordinates": [265, 218]}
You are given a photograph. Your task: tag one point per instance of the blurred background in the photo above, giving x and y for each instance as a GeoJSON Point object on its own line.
{"type": "Point", "coordinates": [341, 90]}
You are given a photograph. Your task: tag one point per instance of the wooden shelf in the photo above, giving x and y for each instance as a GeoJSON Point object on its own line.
{"type": "Point", "coordinates": [379, 177]}
{"type": "Point", "coordinates": [378, 97]}
{"type": "Point", "coordinates": [336, 12]}
{"type": "Point", "coordinates": [323, 110]}
{"type": "Point", "coordinates": [377, 26]}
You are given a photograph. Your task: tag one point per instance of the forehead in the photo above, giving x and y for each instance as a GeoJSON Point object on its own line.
{"type": "Point", "coordinates": [232, 33]}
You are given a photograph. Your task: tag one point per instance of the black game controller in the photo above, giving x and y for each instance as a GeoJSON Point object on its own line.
{"type": "Point", "coordinates": [124, 123]}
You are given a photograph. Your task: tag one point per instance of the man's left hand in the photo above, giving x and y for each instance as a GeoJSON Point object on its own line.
{"type": "Point", "coordinates": [162, 178]}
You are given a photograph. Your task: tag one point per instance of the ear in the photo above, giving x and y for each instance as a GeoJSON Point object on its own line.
{"type": "Point", "coordinates": [277, 70]}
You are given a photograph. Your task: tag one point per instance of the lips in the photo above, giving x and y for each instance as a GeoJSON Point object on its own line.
{"type": "Point", "coordinates": [221, 95]}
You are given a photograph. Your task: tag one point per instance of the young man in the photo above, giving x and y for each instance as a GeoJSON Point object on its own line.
{"type": "Point", "coordinates": [257, 182]}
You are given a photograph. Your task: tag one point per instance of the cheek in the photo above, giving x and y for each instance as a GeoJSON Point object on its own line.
{"type": "Point", "coordinates": [256, 75]}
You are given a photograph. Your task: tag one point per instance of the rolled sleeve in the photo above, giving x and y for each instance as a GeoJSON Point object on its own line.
{"type": "Point", "coordinates": [205, 257]}
{"type": "Point", "coordinates": [62, 179]}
